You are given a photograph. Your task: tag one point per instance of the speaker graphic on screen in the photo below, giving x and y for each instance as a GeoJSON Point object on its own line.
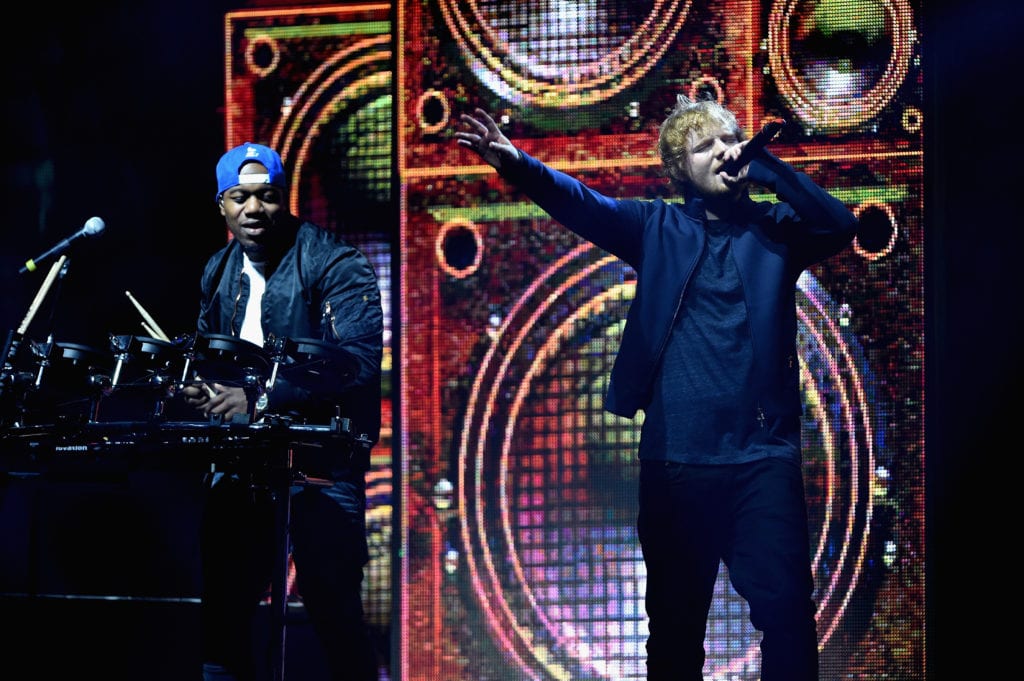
{"type": "Point", "coordinates": [520, 557]}
{"type": "Point", "coordinates": [315, 83]}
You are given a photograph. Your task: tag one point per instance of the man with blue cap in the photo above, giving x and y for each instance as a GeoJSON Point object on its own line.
{"type": "Point", "coordinates": [278, 278]}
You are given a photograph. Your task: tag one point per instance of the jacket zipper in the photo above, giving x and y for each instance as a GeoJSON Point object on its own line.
{"type": "Point", "coordinates": [761, 419]}
{"type": "Point", "coordinates": [234, 311]}
{"type": "Point", "coordinates": [328, 322]}
{"type": "Point", "coordinates": [759, 413]}
{"type": "Point", "coordinates": [675, 313]}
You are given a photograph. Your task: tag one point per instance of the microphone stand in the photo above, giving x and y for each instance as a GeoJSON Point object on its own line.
{"type": "Point", "coordinates": [9, 377]}
{"type": "Point", "coordinates": [10, 406]}
{"type": "Point", "coordinates": [61, 273]}
{"type": "Point", "coordinates": [47, 347]}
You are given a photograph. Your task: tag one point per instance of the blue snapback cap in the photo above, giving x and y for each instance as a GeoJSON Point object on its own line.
{"type": "Point", "coordinates": [230, 164]}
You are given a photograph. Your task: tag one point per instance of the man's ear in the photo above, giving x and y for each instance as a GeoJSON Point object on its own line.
{"type": "Point", "coordinates": [220, 205]}
{"type": "Point", "coordinates": [678, 174]}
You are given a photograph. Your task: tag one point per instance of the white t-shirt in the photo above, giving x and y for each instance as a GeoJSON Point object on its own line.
{"type": "Point", "coordinates": [252, 328]}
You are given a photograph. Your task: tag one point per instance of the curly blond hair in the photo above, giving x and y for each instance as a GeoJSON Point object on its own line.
{"type": "Point", "coordinates": [690, 118]}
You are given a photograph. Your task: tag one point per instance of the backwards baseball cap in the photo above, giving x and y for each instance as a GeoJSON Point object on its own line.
{"type": "Point", "coordinates": [230, 165]}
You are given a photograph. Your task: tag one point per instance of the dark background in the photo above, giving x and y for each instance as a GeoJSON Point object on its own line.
{"type": "Point", "coordinates": [116, 111]}
{"type": "Point", "coordinates": [973, 52]}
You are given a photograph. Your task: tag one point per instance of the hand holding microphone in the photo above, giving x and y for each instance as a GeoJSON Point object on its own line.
{"type": "Point", "coordinates": [93, 226]}
{"type": "Point", "coordinates": [754, 147]}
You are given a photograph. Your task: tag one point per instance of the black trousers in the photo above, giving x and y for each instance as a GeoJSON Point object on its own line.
{"type": "Point", "coordinates": [239, 550]}
{"type": "Point", "coordinates": [752, 517]}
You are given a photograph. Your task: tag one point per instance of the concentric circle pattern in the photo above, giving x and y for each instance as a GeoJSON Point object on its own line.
{"type": "Point", "coordinates": [570, 54]}
{"type": "Point", "coordinates": [547, 482]}
{"type": "Point", "coordinates": [838, 64]}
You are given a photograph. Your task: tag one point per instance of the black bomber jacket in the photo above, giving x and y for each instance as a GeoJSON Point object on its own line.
{"type": "Point", "coordinates": [322, 289]}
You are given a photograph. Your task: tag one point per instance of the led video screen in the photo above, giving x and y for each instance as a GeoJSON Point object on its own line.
{"type": "Point", "coordinates": [316, 84]}
{"type": "Point", "coordinates": [517, 548]}
{"type": "Point", "coordinates": [513, 537]}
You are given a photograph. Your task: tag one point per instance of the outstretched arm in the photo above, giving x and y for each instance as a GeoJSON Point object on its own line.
{"type": "Point", "coordinates": [483, 136]}
{"type": "Point", "coordinates": [609, 223]}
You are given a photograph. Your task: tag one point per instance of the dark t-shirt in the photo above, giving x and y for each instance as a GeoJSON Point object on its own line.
{"type": "Point", "coordinates": [702, 411]}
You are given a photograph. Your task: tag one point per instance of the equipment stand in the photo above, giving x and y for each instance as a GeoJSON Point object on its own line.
{"type": "Point", "coordinates": [279, 587]}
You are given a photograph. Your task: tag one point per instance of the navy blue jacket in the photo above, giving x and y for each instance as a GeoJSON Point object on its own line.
{"type": "Point", "coordinates": [663, 241]}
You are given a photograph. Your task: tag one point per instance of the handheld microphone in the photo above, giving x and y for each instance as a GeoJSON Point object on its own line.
{"type": "Point", "coordinates": [754, 146]}
{"type": "Point", "coordinates": [93, 226]}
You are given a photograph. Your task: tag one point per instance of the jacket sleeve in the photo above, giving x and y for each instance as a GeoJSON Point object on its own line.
{"type": "Point", "coordinates": [344, 295]}
{"type": "Point", "coordinates": [819, 224]}
{"type": "Point", "coordinates": [614, 225]}
{"type": "Point", "coordinates": [355, 321]}
{"type": "Point", "coordinates": [352, 314]}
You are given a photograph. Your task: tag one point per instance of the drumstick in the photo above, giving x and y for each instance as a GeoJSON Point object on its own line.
{"type": "Point", "coordinates": [210, 392]}
{"type": "Point", "coordinates": [154, 330]}
{"type": "Point", "coordinates": [158, 333]}
{"type": "Point", "coordinates": [47, 283]}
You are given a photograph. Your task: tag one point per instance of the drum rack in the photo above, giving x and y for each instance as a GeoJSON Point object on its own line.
{"type": "Point", "coordinates": [267, 446]}
{"type": "Point", "coordinates": [238, 444]}
{"type": "Point", "coordinates": [41, 381]}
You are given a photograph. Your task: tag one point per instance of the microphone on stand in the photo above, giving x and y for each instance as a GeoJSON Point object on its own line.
{"type": "Point", "coordinates": [754, 146]}
{"type": "Point", "coordinates": [93, 226]}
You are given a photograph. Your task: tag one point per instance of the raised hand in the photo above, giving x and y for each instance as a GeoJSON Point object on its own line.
{"type": "Point", "coordinates": [483, 136]}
